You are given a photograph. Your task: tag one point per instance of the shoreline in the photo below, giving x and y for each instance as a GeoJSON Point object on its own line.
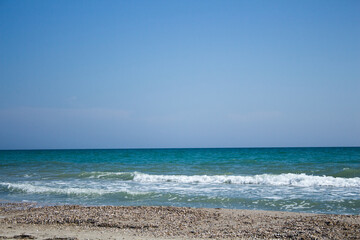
{"type": "Point", "coordinates": [163, 222]}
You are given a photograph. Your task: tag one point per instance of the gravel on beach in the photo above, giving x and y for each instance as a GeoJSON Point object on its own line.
{"type": "Point", "coordinates": [183, 222]}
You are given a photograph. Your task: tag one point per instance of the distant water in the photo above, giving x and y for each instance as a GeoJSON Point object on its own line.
{"type": "Point", "coordinates": [320, 180]}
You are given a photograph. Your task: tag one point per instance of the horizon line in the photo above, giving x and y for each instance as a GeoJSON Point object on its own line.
{"type": "Point", "coordinates": [164, 148]}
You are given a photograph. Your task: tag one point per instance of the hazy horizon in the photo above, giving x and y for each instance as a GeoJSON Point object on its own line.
{"type": "Point", "coordinates": [165, 148]}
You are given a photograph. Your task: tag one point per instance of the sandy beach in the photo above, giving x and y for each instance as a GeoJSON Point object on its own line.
{"type": "Point", "coordinates": [27, 221]}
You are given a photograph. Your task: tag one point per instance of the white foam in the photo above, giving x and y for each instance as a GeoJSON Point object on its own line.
{"type": "Point", "coordinates": [145, 183]}
{"type": "Point", "coordinates": [35, 188]}
{"type": "Point", "coordinates": [288, 179]}
{"type": "Point", "coordinates": [106, 174]}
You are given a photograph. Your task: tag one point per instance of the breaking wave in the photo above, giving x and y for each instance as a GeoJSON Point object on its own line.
{"type": "Point", "coordinates": [290, 179]}
{"type": "Point", "coordinates": [36, 188]}
{"type": "Point", "coordinates": [286, 179]}
{"type": "Point", "coordinates": [124, 183]}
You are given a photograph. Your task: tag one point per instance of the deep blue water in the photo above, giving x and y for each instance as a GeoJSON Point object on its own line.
{"type": "Point", "coordinates": [321, 180]}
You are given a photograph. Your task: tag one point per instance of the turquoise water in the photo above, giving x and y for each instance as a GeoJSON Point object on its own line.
{"type": "Point", "coordinates": [321, 180]}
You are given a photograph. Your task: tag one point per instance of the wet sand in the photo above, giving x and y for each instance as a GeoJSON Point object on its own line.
{"type": "Point", "coordinates": [27, 221]}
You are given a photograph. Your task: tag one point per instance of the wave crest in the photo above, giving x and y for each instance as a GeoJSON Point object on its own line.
{"type": "Point", "coordinates": [56, 188]}
{"type": "Point", "coordinates": [285, 179]}
{"type": "Point", "coordinates": [33, 188]}
{"type": "Point", "coordinates": [288, 179]}
{"type": "Point", "coordinates": [117, 175]}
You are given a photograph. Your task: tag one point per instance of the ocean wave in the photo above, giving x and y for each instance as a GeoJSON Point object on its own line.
{"type": "Point", "coordinates": [289, 179]}
{"type": "Point", "coordinates": [285, 179]}
{"type": "Point", "coordinates": [36, 188]}
{"type": "Point", "coordinates": [117, 175]}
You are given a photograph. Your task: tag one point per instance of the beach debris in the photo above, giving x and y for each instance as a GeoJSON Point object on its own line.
{"type": "Point", "coordinates": [62, 238]}
{"type": "Point", "coordinates": [23, 236]}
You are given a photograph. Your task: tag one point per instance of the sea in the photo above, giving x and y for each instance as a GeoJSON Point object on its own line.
{"type": "Point", "coordinates": [314, 180]}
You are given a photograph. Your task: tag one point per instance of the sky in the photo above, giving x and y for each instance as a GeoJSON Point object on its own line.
{"type": "Point", "coordinates": [178, 74]}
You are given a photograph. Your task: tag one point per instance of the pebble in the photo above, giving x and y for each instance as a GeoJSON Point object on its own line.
{"type": "Point", "coordinates": [188, 222]}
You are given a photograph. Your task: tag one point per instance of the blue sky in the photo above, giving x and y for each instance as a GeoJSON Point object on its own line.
{"type": "Point", "coordinates": [149, 74]}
